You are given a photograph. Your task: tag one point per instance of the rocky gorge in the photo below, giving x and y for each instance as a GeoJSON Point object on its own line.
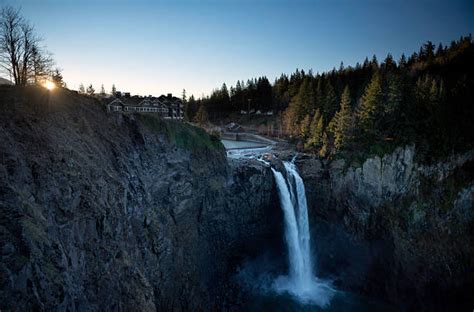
{"type": "Point", "coordinates": [104, 211]}
{"type": "Point", "coordinates": [394, 228]}
{"type": "Point", "coordinates": [114, 212]}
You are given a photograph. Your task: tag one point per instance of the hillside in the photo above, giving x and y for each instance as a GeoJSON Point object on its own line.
{"type": "Point", "coordinates": [366, 109]}
{"type": "Point", "coordinates": [109, 211]}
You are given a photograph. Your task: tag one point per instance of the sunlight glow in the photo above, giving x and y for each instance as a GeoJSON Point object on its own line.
{"type": "Point", "coordinates": [49, 85]}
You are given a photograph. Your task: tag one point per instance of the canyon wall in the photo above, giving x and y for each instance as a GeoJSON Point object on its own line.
{"type": "Point", "coordinates": [120, 212]}
{"type": "Point", "coordinates": [393, 228]}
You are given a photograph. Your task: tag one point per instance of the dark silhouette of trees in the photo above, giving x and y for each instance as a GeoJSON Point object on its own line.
{"type": "Point", "coordinates": [190, 108]}
{"type": "Point", "coordinates": [57, 78]}
{"type": "Point", "coordinates": [90, 90]}
{"type": "Point", "coordinates": [102, 90]}
{"type": "Point", "coordinates": [183, 96]}
{"type": "Point", "coordinates": [41, 65]}
{"type": "Point", "coordinates": [21, 56]}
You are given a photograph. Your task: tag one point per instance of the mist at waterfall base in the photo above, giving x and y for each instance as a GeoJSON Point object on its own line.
{"type": "Point", "coordinates": [300, 281]}
{"type": "Point", "coordinates": [276, 284]}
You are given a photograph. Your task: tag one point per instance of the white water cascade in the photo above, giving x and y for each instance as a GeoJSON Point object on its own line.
{"type": "Point", "coordinates": [301, 281]}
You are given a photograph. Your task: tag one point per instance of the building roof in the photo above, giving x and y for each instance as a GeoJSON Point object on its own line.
{"type": "Point", "coordinates": [116, 102]}
{"type": "Point", "coordinates": [146, 101]}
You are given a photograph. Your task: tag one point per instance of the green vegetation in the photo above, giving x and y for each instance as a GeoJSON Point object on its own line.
{"type": "Point", "coordinates": [201, 116]}
{"type": "Point", "coordinates": [181, 134]}
{"type": "Point", "coordinates": [370, 108]}
{"type": "Point", "coordinates": [425, 100]}
{"type": "Point", "coordinates": [343, 122]}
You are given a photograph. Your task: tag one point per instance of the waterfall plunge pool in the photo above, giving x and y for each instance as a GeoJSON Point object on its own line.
{"type": "Point", "coordinates": [267, 286]}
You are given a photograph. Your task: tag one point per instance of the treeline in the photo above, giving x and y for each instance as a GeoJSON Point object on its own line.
{"type": "Point", "coordinates": [426, 99]}
{"type": "Point", "coordinates": [255, 94]}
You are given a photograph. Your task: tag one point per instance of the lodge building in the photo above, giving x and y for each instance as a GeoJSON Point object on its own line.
{"type": "Point", "coordinates": [168, 107]}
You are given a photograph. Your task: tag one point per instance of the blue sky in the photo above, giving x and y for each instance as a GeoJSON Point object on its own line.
{"type": "Point", "coordinates": [155, 47]}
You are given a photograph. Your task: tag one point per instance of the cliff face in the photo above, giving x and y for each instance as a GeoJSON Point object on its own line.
{"type": "Point", "coordinates": [396, 229]}
{"type": "Point", "coordinates": [107, 211]}
{"type": "Point", "coordinates": [126, 212]}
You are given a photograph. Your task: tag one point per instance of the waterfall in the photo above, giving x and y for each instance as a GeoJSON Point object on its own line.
{"type": "Point", "coordinates": [300, 281]}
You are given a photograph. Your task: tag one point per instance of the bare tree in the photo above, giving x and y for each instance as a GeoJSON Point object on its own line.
{"type": "Point", "coordinates": [10, 38]}
{"type": "Point", "coordinates": [27, 45]}
{"type": "Point", "coordinates": [20, 53]}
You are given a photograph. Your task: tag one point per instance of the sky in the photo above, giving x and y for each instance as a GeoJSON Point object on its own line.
{"type": "Point", "coordinates": [157, 47]}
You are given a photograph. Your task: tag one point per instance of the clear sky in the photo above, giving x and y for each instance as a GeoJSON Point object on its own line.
{"type": "Point", "coordinates": [155, 47]}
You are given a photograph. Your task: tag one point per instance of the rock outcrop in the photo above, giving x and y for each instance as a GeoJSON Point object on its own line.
{"type": "Point", "coordinates": [120, 212]}
{"type": "Point", "coordinates": [394, 228]}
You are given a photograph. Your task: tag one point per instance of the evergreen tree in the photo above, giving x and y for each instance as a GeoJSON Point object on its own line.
{"type": "Point", "coordinates": [403, 61]}
{"type": "Point", "coordinates": [238, 87]}
{"type": "Point", "coordinates": [374, 63]}
{"type": "Point", "coordinates": [343, 122]}
{"type": "Point", "coordinates": [392, 108]}
{"type": "Point", "coordinates": [305, 128]}
{"type": "Point", "coordinates": [369, 111]}
{"type": "Point", "coordinates": [190, 108]}
{"type": "Point", "coordinates": [296, 110]}
{"type": "Point", "coordinates": [114, 90]}
{"type": "Point", "coordinates": [57, 78]}
{"type": "Point", "coordinates": [439, 50]}
{"type": "Point", "coordinates": [319, 94]}
{"type": "Point", "coordinates": [290, 118]}
{"type": "Point", "coordinates": [183, 96]}
{"type": "Point", "coordinates": [224, 97]}
{"type": "Point", "coordinates": [81, 88]}
{"type": "Point", "coordinates": [427, 52]}
{"type": "Point", "coordinates": [305, 98]}
{"type": "Point", "coordinates": [389, 63]}
{"type": "Point", "coordinates": [330, 101]}
{"type": "Point", "coordinates": [325, 145]}
{"type": "Point", "coordinates": [201, 117]}
{"type": "Point", "coordinates": [90, 90]}
{"type": "Point", "coordinates": [280, 92]}
{"type": "Point", "coordinates": [316, 132]}
{"type": "Point", "coordinates": [263, 93]}
{"type": "Point", "coordinates": [102, 90]}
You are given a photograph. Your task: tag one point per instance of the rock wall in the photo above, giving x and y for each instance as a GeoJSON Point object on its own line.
{"type": "Point", "coordinates": [394, 228]}
{"type": "Point", "coordinates": [105, 212]}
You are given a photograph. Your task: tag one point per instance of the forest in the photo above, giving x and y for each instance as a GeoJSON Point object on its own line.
{"type": "Point", "coordinates": [425, 99]}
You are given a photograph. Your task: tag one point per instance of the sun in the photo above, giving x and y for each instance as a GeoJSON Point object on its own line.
{"type": "Point", "coordinates": [49, 85]}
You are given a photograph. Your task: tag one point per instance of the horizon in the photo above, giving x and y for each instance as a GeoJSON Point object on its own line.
{"type": "Point", "coordinates": [206, 46]}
